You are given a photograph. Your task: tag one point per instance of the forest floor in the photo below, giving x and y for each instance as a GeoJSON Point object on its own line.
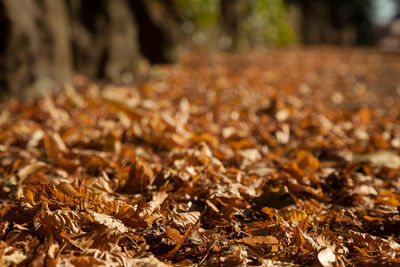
{"type": "Point", "coordinates": [288, 157]}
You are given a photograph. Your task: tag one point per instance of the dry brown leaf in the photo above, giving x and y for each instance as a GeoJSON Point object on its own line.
{"type": "Point", "coordinates": [174, 235]}
{"type": "Point", "coordinates": [102, 239]}
{"type": "Point", "coordinates": [374, 243]}
{"type": "Point", "coordinates": [261, 241]}
{"type": "Point", "coordinates": [24, 172]}
{"type": "Point", "coordinates": [140, 177]}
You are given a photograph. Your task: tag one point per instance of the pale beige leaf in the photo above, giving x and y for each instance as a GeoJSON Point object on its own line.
{"type": "Point", "coordinates": [326, 257]}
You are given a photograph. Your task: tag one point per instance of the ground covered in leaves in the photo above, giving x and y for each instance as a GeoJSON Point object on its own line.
{"type": "Point", "coordinates": [288, 157]}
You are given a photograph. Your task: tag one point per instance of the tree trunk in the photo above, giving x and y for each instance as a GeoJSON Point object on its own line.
{"type": "Point", "coordinates": [34, 48]}
{"type": "Point", "coordinates": [338, 22]}
{"type": "Point", "coordinates": [43, 42]}
{"type": "Point", "coordinates": [233, 12]}
{"type": "Point", "coordinates": [104, 41]}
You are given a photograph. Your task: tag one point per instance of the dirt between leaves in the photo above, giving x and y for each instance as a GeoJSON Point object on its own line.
{"type": "Point", "coordinates": [287, 157]}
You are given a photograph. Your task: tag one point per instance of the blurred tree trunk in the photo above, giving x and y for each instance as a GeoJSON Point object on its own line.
{"type": "Point", "coordinates": [339, 22]}
{"type": "Point", "coordinates": [159, 29]}
{"type": "Point", "coordinates": [232, 13]}
{"type": "Point", "coordinates": [104, 41]}
{"type": "Point", "coordinates": [43, 42]}
{"type": "Point", "coordinates": [34, 48]}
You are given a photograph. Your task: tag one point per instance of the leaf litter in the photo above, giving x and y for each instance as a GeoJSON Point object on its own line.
{"type": "Point", "coordinates": [279, 159]}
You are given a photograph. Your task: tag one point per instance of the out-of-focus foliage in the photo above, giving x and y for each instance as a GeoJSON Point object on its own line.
{"type": "Point", "coordinates": [264, 22]}
{"type": "Point", "coordinates": [202, 13]}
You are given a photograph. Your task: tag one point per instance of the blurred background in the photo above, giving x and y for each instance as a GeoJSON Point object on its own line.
{"type": "Point", "coordinates": [44, 42]}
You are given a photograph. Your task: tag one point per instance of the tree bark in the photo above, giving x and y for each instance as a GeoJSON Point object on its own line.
{"type": "Point", "coordinates": [34, 45]}
{"type": "Point", "coordinates": [43, 42]}
{"type": "Point", "coordinates": [338, 22]}
{"type": "Point", "coordinates": [104, 41]}
{"type": "Point", "coordinates": [233, 12]}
